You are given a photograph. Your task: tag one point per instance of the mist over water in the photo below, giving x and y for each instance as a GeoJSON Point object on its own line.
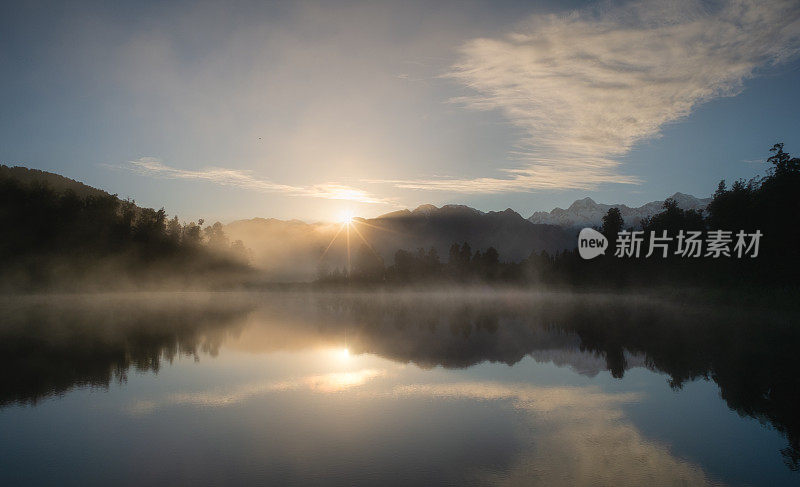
{"type": "Point", "coordinates": [465, 387]}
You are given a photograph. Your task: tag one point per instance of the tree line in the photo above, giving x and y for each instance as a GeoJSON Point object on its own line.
{"type": "Point", "coordinates": [767, 204]}
{"type": "Point", "coordinates": [51, 235]}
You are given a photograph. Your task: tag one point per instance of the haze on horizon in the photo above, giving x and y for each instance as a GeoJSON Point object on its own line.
{"type": "Point", "coordinates": [306, 110]}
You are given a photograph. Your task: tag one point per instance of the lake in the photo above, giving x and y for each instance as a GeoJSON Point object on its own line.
{"type": "Point", "coordinates": [447, 388]}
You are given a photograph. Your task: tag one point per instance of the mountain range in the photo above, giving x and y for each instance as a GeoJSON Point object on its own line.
{"type": "Point", "coordinates": [286, 248]}
{"type": "Point", "coordinates": [293, 249]}
{"type": "Point", "coordinates": [587, 213]}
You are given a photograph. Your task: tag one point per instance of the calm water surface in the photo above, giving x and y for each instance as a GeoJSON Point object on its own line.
{"type": "Point", "coordinates": [383, 389]}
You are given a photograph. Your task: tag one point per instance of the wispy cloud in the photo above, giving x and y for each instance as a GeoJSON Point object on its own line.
{"type": "Point", "coordinates": [584, 400]}
{"type": "Point", "coordinates": [325, 384]}
{"type": "Point", "coordinates": [583, 437]}
{"type": "Point", "coordinates": [584, 88]}
{"type": "Point", "coordinates": [152, 167]}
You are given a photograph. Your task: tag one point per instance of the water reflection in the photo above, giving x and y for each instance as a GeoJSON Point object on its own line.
{"type": "Point", "coordinates": [324, 383]}
{"type": "Point", "coordinates": [583, 428]}
{"type": "Point", "coordinates": [358, 347]}
{"type": "Point", "coordinates": [48, 345]}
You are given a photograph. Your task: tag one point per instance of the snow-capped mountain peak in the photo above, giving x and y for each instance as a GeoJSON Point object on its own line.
{"type": "Point", "coordinates": [587, 213]}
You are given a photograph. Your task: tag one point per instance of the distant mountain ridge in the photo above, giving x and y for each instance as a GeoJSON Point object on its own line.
{"type": "Point", "coordinates": [430, 226]}
{"type": "Point", "coordinates": [587, 213]}
{"type": "Point", "coordinates": [293, 249]}
{"type": "Point", "coordinates": [290, 249]}
{"type": "Point", "coordinates": [433, 210]}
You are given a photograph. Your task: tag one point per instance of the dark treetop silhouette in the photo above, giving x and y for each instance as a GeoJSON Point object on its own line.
{"type": "Point", "coordinates": [48, 346]}
{"type": "Point", "coordinates": [61, 233]}
{"type": "Point", "coordinates": [768, 204]}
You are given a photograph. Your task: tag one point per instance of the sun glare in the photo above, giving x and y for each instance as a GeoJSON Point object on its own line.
{"type": "Point", "coordinates": [346, 218]}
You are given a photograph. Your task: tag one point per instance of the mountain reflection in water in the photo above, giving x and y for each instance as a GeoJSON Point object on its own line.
{"type": "Point", "coordinates": [52, 345]}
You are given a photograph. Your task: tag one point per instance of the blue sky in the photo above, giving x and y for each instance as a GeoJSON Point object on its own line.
{"type": "Point", "coordinates": [310, 110]}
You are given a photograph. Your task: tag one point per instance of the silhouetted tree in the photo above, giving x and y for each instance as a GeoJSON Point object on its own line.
{"type": "Point", "coordinates": [52, 236]}
{"type": "Point", "coordinates": [403, 269]}
{"type": "Point", "coordinates": [673, 219]}
{"type": "Point", "coordinates": [769, 204]}
{"type": "Point", "coordinates": [367, 265]}
{"type": "Point", "coordinates": [612, 225]}
{"type": "Point", "coordinates": [215, 237]}
{"type": "Point", "coordinates": [782, 162]}
{"type": "Point", "coordinates": [486, 265]}
{"type": "Point", "coordinates": [464, 255]}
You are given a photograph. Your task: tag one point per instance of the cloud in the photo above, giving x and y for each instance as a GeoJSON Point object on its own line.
{"type": "Point", "coordinates": [324, 384]}
{"type": "Point", "coordinates": [581, 437]}
{"type": "Point", "coordinates": [340, 381]}
{"type": "Point", "coordinates": [152, 167]}
{"type": "Point", "coordinates": [583, 88]}
{"type": "Point", "coordinates": [579, 400]}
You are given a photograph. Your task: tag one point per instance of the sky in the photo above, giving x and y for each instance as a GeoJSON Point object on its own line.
{"type": "Point", "coordinates": [313, 110]}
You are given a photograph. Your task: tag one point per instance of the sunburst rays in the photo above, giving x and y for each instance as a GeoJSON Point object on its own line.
{"type": "Point", "coordinates": [349, 222]}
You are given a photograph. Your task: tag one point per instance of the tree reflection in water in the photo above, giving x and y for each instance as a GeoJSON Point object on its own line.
{"type": "Point", "coordinates": [49, 345]}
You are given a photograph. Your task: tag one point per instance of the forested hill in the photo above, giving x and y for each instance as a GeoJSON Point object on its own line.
{"type": "Point", "coordinates": [62, 234]}
{"type": "Point", "coordinates": [57, 182]}
{"type": "Point", "coordinates": [747, 236]}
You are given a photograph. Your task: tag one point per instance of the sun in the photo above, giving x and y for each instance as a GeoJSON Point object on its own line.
{"type": "Point", "coordinates": [346, 217]}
